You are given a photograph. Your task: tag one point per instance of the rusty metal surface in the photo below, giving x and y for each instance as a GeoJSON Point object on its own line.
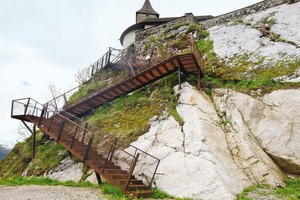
{"type": "Point", "coordinates": [80, 141]}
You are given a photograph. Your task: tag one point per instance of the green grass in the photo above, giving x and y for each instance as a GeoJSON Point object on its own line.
{"type": "Point", "coordinates": [245, 86]}
{"type": "Point", "coordinates": [117, 194]}
{"type": "Point", "coordinates": [128, 116]}
{"type": "Point", "coordinates": [43, 181]}
{"type": "Point", "coordinates": [291, 191]}
{"type": "Point", "coordinates": [113, 191]}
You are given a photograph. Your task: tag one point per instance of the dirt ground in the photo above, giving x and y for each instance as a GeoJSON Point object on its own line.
{"type": "Point", "coordinates": [34, 192]}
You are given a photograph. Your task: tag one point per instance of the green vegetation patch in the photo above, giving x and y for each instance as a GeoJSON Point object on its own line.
{"type": "Point", "coordinates": [128, 116]}
{"type": "Point", "coordinates": [22, 180]}
{"type": "Point", "coordinates": [291, 191]}
{"type": "Point", "coordinates": [48, 155]}
{"type": "Point", "coordinates": [242, 73]}
{"type": "Point", "coordinates": [104, 78]}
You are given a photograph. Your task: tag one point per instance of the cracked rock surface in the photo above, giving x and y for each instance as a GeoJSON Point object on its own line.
{"type": "Point", "coordinates": [225, 144]}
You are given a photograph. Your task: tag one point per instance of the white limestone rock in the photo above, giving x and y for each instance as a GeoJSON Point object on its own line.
{"type": "Point", "coordinates": [92, 178]}
{"type": "Point", "coordinates": [66, 170]}
{"type": "Point", "coordinates": [273, 121]}
{"type": "Point", "coordinates": [195, 161]}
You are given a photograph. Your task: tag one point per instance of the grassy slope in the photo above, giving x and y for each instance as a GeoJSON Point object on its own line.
{"type": "Point", "coordinates": [48, 155]}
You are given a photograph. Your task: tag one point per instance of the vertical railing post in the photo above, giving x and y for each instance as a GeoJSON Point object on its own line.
{"type": "Point", "coordinates": [50, 124]}
{"type": "Point", "coordinates": [65, 98]}
{"type": "Point", "coordinates": [86, 153]}
{"type": "Point", "coordinates": [179, 78]}
{"type": "Point", "coordinates": [108, 159]}
{"type": "Point", "coordinates": [133, 164]}
{"type": "Point", "coordinates": [154, 173]}
{"type": "Point", "coordinates": [42, 115]}
{"type": "Point", "coordinates": [96, 84]}
{"type": "Point", "coordinates": [74, 137]}
{"type": "Point", "coordinates": [111, 155]}
{"type": "Point", "coordinates": [109, 55]}
{"type": "Point", "coordinates": [198, 79]}
{"type": "Point", "coordinates": [34, 108]}
{"type": "Point", "coordinates": [25, 111]}
{"type": "Point", "coordinates": [60, 130]}
{"type": "Point", "coordinates": [84, 132]}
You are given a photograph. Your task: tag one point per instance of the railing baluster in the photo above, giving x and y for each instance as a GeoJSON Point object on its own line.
{"type": "Point", "coordinates": [65, 98]}
{"type": "Point", "coordinates": [50, 124]}
{"type": "Point", "coordinates": [84, 132]}
{"type": "Point", "coordinates": [133, 164]}
{"type": "Point", "coordinates": [25, 111]}
{"type": "Point", "coordinates": [88, 148]}
{"type": "Point", "coordinates": [60, 131]}
{"type": "Point", "coordinates": [154, 173]}
{"type": "Point", "coordinates": [74, 137]}
{"type": "Point", "coordinates": [41, 117]}
{"type": "Point", "coordinates": [111, 155]}
{"type": "Point", "coordinates": [108, 157]}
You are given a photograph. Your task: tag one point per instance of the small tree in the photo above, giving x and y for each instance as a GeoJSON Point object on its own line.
{"type": "Point", "coordinates": [83, 75]}
{"type": "Point", "coordinates": [51, 96]}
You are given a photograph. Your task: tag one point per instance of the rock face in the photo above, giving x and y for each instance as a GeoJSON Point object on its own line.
{"type": "Point", "coordinates": [272, 120]}
{"type": "Point", "coordinates": [66, 170]}
{"type": "Point", "coordinates": [224, 144]}
{"type": "Point", "coordinates": [241, 44]}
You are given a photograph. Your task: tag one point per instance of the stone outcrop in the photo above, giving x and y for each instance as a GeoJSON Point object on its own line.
{"type": "Point", "coordinates": [218, 150]}
{"type": "Point", "coordinates": [247, 54]}
{"type": "Point", "coordinates": [272, 120]}
{"type": "Point", "coordinates": [66, 170]}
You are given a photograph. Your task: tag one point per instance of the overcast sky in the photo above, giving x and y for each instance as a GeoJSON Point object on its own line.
{"type": "Point", "coordinates": [47, 41]}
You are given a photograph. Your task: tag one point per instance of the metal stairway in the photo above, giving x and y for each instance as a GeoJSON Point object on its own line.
{"type": "Point", "coordinates": [98, 150]}
{"type": "Point", "coordinates": [189, 63]}
{"type": "Point", "coordinates": [108, 160]}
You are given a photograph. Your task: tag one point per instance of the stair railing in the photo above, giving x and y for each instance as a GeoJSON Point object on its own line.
{"type": "Point", "coordinates": [75, 128]}
{"type": "Point", "coordinates": [113, 56]}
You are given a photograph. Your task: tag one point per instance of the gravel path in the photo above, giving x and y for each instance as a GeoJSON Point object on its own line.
{"type": "Point", "coordinates": [34, 192]}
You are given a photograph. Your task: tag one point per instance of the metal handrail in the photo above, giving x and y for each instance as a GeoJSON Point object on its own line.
{"type": "Point", "coordinates": [123, 57]}
{"type": "Point", "coordinates": [38, 109]}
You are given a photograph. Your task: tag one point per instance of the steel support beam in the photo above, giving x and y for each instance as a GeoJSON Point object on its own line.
{"type": "Point", "coordinates": [98, 178]}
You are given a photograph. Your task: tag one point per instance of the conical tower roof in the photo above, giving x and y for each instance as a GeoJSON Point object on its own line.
{"type": "Point", "coordinates": [147, 9]}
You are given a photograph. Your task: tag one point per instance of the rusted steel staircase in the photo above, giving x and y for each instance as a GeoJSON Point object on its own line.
{"type": "Point", "coordinates": [59, 119]}
{"type": "Point", "coordinates": [188, 63]}
{"type": "Point", "coordinates": [108, 160]}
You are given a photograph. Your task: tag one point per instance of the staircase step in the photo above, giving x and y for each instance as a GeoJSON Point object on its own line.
{"type": "Point", "coordinates": [142, 194]}
{"type": "Point", "coordinates": [137, 187]}
{"type": "Point", "coordinates": [114, 171]}
{"type": "Point", "coordinates": [119, 176]}
{"type": "Point", "coordinates": [132, 181]}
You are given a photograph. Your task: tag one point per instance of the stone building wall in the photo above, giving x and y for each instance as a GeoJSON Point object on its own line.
{"type": "Point", "coordinates": [140, 35]}
{"type": "Point", "coordinates": [232, 16]}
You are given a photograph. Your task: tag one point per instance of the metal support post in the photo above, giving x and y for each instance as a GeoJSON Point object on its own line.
{"type": "Point", "coordinates": [179, 78]}
{"type": "Point", "coordinates": [33, 141]}
{"type": "Point", "coordinates": [98, 178]}
{"type": "Point", "coordinates": [198, 79]}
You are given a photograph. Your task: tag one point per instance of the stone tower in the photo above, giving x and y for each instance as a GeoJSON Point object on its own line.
{"type": "Point", "coordinates": [146, 12]}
